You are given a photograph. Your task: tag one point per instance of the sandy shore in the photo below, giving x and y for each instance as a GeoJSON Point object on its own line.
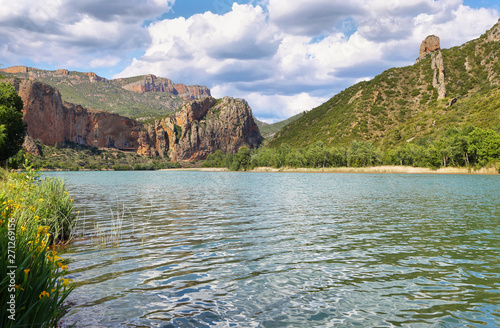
{"type": "Point", "coordinates": [395, 169]}
{"type": "Point", "coordinates": [381, 169]}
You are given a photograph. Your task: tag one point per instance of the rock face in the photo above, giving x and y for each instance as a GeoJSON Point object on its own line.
{"type": "Point", "coordinates": [51, 120]}
{"type": "Point", "coordinates": [152, 83]}
{"type": "Point", "coordinates": [17, 69]}
{"type": "Point", "coordinates": [438, 80]}
{"type": "Point", "coordinates": [431, 46]}
{"type": "Point", "coordinates": [494, 33]}
{"type": "Point", "coordinates": [431, 43]}
{"type": "Point", "coordinates": [200, 128]}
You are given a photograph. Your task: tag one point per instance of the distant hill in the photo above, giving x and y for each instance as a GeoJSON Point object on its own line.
{"type": "Point", "coordinates": [269, 130]}
{"type": "Point", "coordinates": [449, 87]}
{"type": "Point", "coordinates": [139, 97]}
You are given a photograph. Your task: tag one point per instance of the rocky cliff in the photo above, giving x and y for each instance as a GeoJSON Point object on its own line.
{"type": "Point", "coordinates": [152, 83]}
{"type": "Point", "coordinates": [51, 121]}
{"type": "Point", "coordinates": [431, 46]}
{"type": "Point", "coordinates": [199, 128]}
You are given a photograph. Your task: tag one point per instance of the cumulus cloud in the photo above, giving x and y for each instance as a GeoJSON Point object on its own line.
{"type": "Point", "coordinates": [74, 32]}
{"type": "Point", "coordinates": [286, 56]}
{"type": "Point", "coordinates": [283, 56]}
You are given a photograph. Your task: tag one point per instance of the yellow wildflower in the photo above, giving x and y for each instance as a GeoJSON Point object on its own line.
{"type": "Point", "coordinates": [23, 228]}
{"type": "Point", "coordinates": [27, 271]}
{"type": "Point", "coordinates": [41, 200]}
{"type": "Point", "coordinates": [1, 222]}
{"type": "Point", "coordinates": [72, 200]}
{"type": "Point", "coordinates": [66, 281]}
{"type": "Point", "coordinates": [37, 217]}
{"type": "Point", "coordinates": [44, 293]}
{"type": "Point", "coordinates": [52, 290]}
{"type": "Point", "coordinates": [77, 212]}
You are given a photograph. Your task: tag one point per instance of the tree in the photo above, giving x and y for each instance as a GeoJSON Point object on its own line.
{"type": "Point", "coordinates": [11, 116]}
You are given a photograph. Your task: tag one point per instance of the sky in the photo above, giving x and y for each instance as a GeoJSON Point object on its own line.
{"type": "Point", "coordinates": [282, 56]}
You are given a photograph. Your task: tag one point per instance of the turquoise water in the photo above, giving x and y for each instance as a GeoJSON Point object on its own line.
{"type": "Point", "coordinates": [202, 249]}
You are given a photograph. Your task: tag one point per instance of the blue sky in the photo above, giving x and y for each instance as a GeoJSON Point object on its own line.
{"type": "Point", "coordinates": [282, 56]}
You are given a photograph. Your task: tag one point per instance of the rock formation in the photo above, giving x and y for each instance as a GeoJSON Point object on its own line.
{"type": "Point", "coordinates": [51, 121]}
{"type": "Point", "coordinates": [430, 44]}
{"type": "Point", "coordinates": [438, 79]}
{"type": "Point", "coordinates": [200, 128]}
{"type": "Point", "coordinates": [494, 33]}
{"type": "Point", "coordinates": [152, 83]}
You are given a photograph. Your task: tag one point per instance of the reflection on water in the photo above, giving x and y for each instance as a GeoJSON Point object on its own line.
{"type": "Point", "coordinates": [288, 250]}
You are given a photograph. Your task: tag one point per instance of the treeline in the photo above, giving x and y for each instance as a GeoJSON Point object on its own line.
{"type": "Point", "coordinates": [469, 147]}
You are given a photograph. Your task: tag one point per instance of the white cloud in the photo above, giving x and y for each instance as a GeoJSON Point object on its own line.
{"type": "Point", "coordinates": [296, 54]}
{"type": "Point", "coordinates": [281, 55]}
{"type": "Point", "coordinates": [66, 33]}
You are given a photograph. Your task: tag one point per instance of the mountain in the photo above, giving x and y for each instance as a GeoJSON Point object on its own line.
{"type": "Point", "coordinates": [197, 129]}
{"type": "Point", "coordinates": [269, 130]}
{"type": "Point", "coordinates": [139, 97]}
{"type": "Point", "coordinates": [445, 87]}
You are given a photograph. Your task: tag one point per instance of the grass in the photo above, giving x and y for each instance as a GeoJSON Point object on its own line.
{"type": "Point", "coordinates": [35, 213]}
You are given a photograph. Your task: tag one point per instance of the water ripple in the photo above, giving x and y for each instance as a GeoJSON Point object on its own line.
{"type": "Point", "coordinates": [287, 250]}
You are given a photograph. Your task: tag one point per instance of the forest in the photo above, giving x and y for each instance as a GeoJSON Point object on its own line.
{"type": "Point", "coordinates": [469, 147]}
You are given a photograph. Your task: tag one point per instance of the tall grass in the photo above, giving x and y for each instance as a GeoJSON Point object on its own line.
{"type": "Point", "coordinates": [34, 214]}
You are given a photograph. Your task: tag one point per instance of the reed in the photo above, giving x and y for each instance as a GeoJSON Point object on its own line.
{"type": "Point", "coordinates": [34, 213]}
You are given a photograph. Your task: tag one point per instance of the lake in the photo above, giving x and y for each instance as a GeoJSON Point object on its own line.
{"type": "Point", "coordinates": [230, 249]}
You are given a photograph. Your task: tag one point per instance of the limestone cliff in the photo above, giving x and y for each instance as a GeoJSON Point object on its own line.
{"type": "Point", "coordinates": [200, 128]}
{"type": "Point", "coordinates": [152, 83]}
{"type": "Point", "coordinates": [50, 120]}
{"type": "Point", "coordinates": [430, 44]}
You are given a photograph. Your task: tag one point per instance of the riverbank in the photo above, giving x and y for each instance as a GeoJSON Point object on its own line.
{"type": "Point", "coordinates": [392, 169]}
{"type": "Point", "coordinates": [389, 169]}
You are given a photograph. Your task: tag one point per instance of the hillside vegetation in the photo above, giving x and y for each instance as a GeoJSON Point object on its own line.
{"type": "Point", "coordinates": [107, 95]}
{"type": "Point", "coordinates": [400, 105]}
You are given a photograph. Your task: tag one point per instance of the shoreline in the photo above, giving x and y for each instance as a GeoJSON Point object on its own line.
{"type": "Point", "coordinates": [386, 169]}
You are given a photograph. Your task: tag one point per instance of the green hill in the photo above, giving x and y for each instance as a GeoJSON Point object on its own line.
{"type": "Point", "coordinates": [108, 95]}
{"type": "Point", "coordinates": [401, 104]}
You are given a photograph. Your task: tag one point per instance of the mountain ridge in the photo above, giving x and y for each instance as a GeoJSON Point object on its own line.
{"type": "Point", "coordinates": [405, 104]}
{"type": "Point", "coordinates": [140, 97]}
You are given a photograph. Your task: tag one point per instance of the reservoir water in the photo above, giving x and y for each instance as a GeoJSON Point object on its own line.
{"type": "Point", "coordinates": [209, 249]}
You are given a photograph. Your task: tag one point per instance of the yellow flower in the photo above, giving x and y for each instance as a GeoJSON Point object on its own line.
{"type": "Point", "coordinates": [52, 290]}
{"type": "Point", "coordinates": [72, 200]}
{"type": "Point", "coordinates": [41, 200]}
{"type": "Point", "coordinates": [1, 221]}
{"type": "Point", "coordinates": [27, 271]}
{"type": "Point", "coordinates": [77, 212]}
{"type": "Point", "coordinates": [66, 281]}
{"type": "Point", "coordinates": [66, 192]}
{"type": "Point", "coordinates": [44, 293]}
{"type": "Point", "coordinates": [37, 217]}
{"type": "Point", "coordinates": [23, 228]}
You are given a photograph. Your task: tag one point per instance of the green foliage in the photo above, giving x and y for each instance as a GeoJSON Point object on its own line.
{"type": "Point", "coordinates": [400, 99]}
{"type": "Point", "coordinates": [77, 157]}
{"type": "Point", "coordinates": [11, 117]}
{"type": "Point", "coordinates": [30, 222]}
{"type": "Point", "coordinates": [466, 147]}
